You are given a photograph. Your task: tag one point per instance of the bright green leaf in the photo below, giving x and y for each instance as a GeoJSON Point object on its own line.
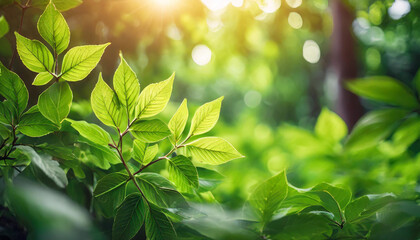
{"type": "Point", "coordinates": [4, 26]}
{"type": "Point", "coordinates": [268, 196]}
{"type": "Point", "coordinates": [384, 89]}
{"type": "Point", "coordinates": [7, 112]}
{"type": "Point", "coordinates": [330, 126]}
{"type": "Point", "coordinates": [183, 173]}
{"type": "Point", "coordinates": [91, 131]}
{"type": "Point", "coordinates": [54, 29]}
{"type": "Point", "coordinates": [34, 124]}
{"type": "Point", "coordinates": [55, 102]}
{"type": "Point", "coordinates": [34, 54]}
{"type": "Point", "coordinates": [80, 61]}
{"type": "Point", "coordinates": [139, 149]}
{"type": "Point", "coordinates": [178, 121]}
{"type": "Point", "coordinates": [126, 86]}
{"type": "Point", "coordinates": [105, 104]}
{"type": "Point", "coordinates": [206, 116]}
{"type": "Point", "coordinates": [130, 217]}
{"type": "Point", "coordinates": [42, 78]}
{"type": "Point", "coordinates": [212, 150]}
{"type": "Point", "coordinates": [62, 5]}
{"type": "Point", "coordinates": [157, 189]}
{"type": "Point", "coordinates": [150, 130]}
{"type": "Point", "coordinates": [154, 98]}
{"type": "Point", "coordinates": [150, 153]}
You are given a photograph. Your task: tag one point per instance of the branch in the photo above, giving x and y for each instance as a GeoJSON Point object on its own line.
{"type": "Point", "coordinates": [23, 7]}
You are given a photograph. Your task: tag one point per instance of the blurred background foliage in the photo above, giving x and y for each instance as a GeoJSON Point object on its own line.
{"type": "Point", "coordinates": [271, 59]}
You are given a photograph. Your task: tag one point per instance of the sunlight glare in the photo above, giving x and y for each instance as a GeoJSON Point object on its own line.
{"type": "Point", "coordinates": [311, 51]}
{"type": "Point", "coordinates": [269, 6]}
{"type": "Point", "coordinates": [201, 54]}
{"type": "Point", "coordinates": [164, 3]}
{"type": "Point", "coordinates": [399, 9]}
{"type": "Point", "coordinates": [216, 5]}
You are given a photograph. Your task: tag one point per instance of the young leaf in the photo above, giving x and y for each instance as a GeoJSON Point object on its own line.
{"type": "Point", "coordinates": [178, 121]}
{"type": "Point", "coordinates": [4, 26]}
{"type": "Point", "coordinates": [34, 55]}
{"type": "Point", "coordinates": [154, 97]}
{"type": "Point", "coordinates": [158, 226]}
{"type": "Point", "coordinates": [105, 104]}
{"type": "Point", "coordinates": [150, 130]}
{"type": "Point", "coordinates": [268, 196]}
{"type": "Point", "coordinates": [130, 217]}
{"type": "Point", "coordinates": [80, 61]}
{"type": "Point", "coordinates": [53, 28]}
{"type": "Point", "coordinates": [34, 124]}
{"type": "Point", "coordinates": [150, 153]}
{"type": "Point", "coordinates": [55, 102]}
{"type": "Point", "coordinates": [212, 150]}
{"type": "Point", "coordinates": [384, 89]}
{"type": "Point", "coordinates": [91, 131]}
{"type": "Point", "coordinates": [13, 89]}
{"type": "Point", "coordinates": [110, 191]}
{"type": "Point", "coordinates": [330, 126]}
{"type": "Point", "coordinates": [126, 86]}
{"type": "Point", "coordinates": [62, 5]}
{"type": "Point", "coordinates": [139, 149]}
{"type": "Point", "coordinates": [42, 78]}
{"type": "Point", "coordinates": [206, 117]}
{"type": "Point", "coordinates": [183, 173]}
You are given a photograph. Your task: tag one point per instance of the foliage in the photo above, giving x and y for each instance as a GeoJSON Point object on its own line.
{"type": "Point", "coordinates": [143, 169]}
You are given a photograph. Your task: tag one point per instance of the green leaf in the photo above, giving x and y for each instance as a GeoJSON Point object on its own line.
{"type": "Point", "coordinates": [126, 86]}
{"type": "Point", "coordinates": [130, 217]}
{"type": "Point", "coordinates": [154, 98]}
{"type": "Point", "coordinates": [178, 121]}
{"type": "Point", "coordinates": [55, 102]}
{"type": "Point", "coordinates": [54, 29]}
{"type": "Point", "coordinates": [34, 55]}
{"type": "Point", "coordinates": [42, 78]}
{"type": "Point", "coordinates": [150, 130]}
{"type": "Point", "coordinates": [158, 226]}
{"type": "Point", "coordinates": [13, 89]}
{"type": "Point", "coordinates": [45, 164]}
{"type": "Point", "coordinates": [62, 5]}
{"type": "Point", "coordinates": [384, 89]}
{"type": "Point", "coordinates": [416, 81]}
{"type": "Point", "coordinates": [183, 173]}
{"type": "Point", "coordinates": [299, 226]}
{"type": "Point", "coordinates": [330, 126]}
{"type": "Point", "coordinates": [91, 131]}
{"type": "Point", "coordinates": [142, 153]}
{"type": "Point", "coordinates": [373, 128]}
{"type": "Point", "coordinates": [267, 197]}
{"type": "Point", "coordinates": [34, 124]}
{"type": "Point", "coordinates": [157, 189]}
{"type": "Point", "coordinates": [109, 184]}
{"type": "Point", "coordinates": [4, 26]}
{"type": "Point", "coordinates": [80, 61]}
{"type": "Point", "coordinates": [356, 207]}
{"type": "Point", "coordinates": [110, 192]}
{"type": "Point", "coordinates": [206, 116]}
{"type": "Point", "coordinates": [7, 112]}
{"type": "Point", "coordinates": [341, 195]}
{"type": "Point", "coordinates": [212, 150]}
{"type": "Point", "coordinates": [208, 179]}
{"type": "Point", "coordinates": [105, 104]}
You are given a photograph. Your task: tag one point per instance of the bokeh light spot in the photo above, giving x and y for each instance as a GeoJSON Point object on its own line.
{"type": "Point", "coordinates": [399, 9]}
{"type": "Point", "coordinates": [373, 58]}
{"type": "Point", "coordinates": [311, 51]}
{"type": "Point", "coordinates": [201, 54]}
{"type": "Point", "coordinates": [295, 20]}
{"type": "Point", "coordinates": [269, 6]}
{"type": "Point", "coordinates": [252, 99]}
{"type": "Point", "coordinates": [294, 3]}
{"type": "Point", "coordinates": [237, 3]}
{"type": "Point", "coordinates": [215, 5]}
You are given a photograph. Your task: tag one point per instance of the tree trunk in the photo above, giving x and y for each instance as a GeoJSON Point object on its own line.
{"type": "Point", "coordinates": [344, 61]}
